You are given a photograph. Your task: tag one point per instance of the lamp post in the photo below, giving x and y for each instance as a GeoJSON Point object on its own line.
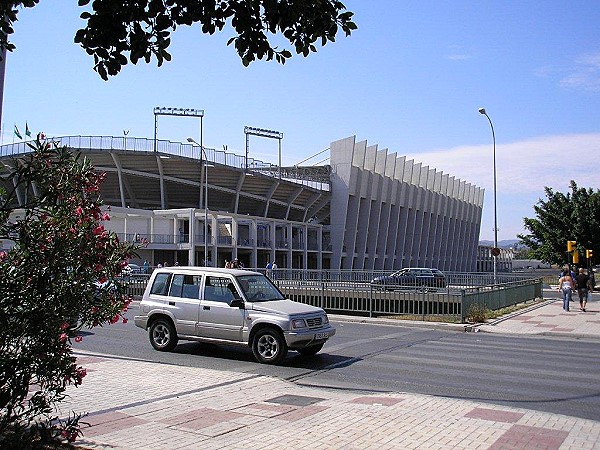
{"type": "Point", "coordinates": [205, 165]}
{"type": "Point", "coordinates": [495, 250]}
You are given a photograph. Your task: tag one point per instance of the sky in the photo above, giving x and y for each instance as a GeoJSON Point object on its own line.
{"type": "Point", "coordinates": [411, 79]}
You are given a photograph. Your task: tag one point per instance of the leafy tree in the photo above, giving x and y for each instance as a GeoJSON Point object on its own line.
{"type": "Point", "coordinates": [142, 29]}
{"type": "Point", "coordinates": [55, 280]}
{"type": "Point", "coordinates": [521, 251]}
{"type": "Point", "coordinates": [574, 216]}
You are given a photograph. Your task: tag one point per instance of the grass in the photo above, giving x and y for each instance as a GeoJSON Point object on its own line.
{"type": "Point", "coordinates": [476, 315]}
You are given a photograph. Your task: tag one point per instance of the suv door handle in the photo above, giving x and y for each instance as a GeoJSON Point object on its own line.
{"type": "Point", "coordinates": [206, 308]}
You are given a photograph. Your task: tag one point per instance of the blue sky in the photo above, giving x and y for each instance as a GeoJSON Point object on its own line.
{"type": "Point", "coordinates": [411, 79]}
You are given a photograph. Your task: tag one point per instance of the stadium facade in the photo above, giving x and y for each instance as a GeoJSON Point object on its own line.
{"type": "Point", "coordinates": [367, 210]}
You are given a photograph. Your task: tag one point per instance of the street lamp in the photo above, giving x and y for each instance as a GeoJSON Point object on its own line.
{"type": "Point", "coordinates": [204, 162]}
{"type": "Point", "coordinates": [495, 250]}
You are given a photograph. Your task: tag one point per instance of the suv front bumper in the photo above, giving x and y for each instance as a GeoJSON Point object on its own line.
{"type": "Point", "coordinates": [307, 337]}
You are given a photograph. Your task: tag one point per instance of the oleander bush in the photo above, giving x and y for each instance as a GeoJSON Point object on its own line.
{"type": "Point", "coordinates": [59, 277]}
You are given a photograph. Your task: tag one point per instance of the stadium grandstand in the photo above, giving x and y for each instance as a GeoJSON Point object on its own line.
{"type": "Point", "coordinates": [367, 209]}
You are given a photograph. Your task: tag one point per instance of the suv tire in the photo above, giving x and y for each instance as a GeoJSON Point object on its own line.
{"type": "Point", "coordinates": [162, 334]}
{"type": "Point", "coordinates": [269, 346]}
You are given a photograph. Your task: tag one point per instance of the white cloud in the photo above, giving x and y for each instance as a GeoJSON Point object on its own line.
{"type": "Point", "coordinates": [521, 167]}
{"type": "Point", "coordinates": [523, 170]}
{"type": "Point", "coordinates": [585, 74]}
{"type": "Point", "coordinates": [456, 53]}
{"type": "Point", "coordinates": [458, 57]}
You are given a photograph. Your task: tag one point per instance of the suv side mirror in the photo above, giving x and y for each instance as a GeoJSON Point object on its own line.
{"type": "Point", "coordinates": [236, 303]}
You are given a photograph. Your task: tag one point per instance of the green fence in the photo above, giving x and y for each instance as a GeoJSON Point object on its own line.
{"type": "Point", "coordinates": [358, 297]}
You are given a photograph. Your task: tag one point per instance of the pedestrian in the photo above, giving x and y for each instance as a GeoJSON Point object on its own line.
{"type": "Point", "coordinates": [565, 285]}
{"type": "Point", "coordinates": [582, 281]}
{"type": "Point", "coordinates": [591, 285]}
{"type": "Point", "coordinates": [274, 267]}
{"type": "Point", "coordinates": [146, 266]}
{"type": "Point", "coordinates": [227, 264]}
{"type": "Point", "coordinates": [269, 269]}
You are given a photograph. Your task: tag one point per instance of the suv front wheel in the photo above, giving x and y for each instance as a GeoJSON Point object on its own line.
{"type": "Point", "coordinates": [163, 336]}
{"type": "Point", "coordinates": [269, 346]}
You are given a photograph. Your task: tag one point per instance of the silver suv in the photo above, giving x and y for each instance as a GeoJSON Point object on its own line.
{"type": "Point", "coordinates": [229, 306]}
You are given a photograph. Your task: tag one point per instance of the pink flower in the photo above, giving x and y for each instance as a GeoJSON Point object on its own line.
{"type": "Point", "coordinates": [65, 325]}
{"type": "Point", "coordinates": [115, 319]}
{"type": "Point", "coordinates": [106, 216]}
{"type": "Point", "coordinates": [3, 256]}
{"type": "Point", "coordinates": [98, 230]}
{"type": "Point", "coordinates": [124, 320]}
{"type": "Point", "coordinates": [63, 337]}
{"type": "Point", "coordinates": [78, 338]}
{"type": "Point", "coordinates": [79, 211]}
{"type": "Point", "coordinates": [78, 376]}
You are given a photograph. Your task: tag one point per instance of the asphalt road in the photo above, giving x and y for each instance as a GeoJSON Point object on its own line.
{"type": "Point", "coordinates": [540, 373]}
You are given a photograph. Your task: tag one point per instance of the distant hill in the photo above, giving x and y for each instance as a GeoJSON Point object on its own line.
{"type": "Point", "coordinates": [506, 243]}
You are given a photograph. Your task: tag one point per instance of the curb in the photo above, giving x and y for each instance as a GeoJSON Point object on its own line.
{"type": "Point", "coordinates": [398, 322]}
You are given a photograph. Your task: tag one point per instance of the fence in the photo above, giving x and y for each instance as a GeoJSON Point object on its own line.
{"type": "Point", "coordinates": [350, 292]}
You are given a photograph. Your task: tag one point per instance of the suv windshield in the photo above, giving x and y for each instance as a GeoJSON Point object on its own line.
{"type": "Point", "coordinates": [258, 288]}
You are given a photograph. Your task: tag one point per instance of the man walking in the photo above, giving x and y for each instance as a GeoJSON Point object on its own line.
{"type": "Point", "coordinates": [581, 282]}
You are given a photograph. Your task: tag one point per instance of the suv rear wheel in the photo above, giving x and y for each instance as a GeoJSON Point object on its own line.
{"type": "Point", "coordinates": [269, 346]}
{"type": "Point", "coordinates": [163, 336]}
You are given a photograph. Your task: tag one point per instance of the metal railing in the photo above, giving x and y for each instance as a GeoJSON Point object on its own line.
{"type": "Point", "coordinates": [172, 148]}
{"type": "Point", "coordinates": [351, 292]}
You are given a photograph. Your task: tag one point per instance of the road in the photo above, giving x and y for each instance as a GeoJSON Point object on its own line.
{"type": "Point", "coordinates": [539, 373]}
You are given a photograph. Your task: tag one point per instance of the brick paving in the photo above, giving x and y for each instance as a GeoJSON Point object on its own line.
{"type": "Point", "coordinates": [192, 408]}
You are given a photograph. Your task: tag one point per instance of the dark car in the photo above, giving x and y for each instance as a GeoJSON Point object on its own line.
{"type": "Point", "coordinates": [414, 277]}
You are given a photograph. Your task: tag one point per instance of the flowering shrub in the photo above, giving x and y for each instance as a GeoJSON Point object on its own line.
{"type": "Point", "coordinates": [57, 278]}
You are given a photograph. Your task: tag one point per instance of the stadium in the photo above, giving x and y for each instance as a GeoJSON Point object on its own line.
{"type": "Point", "coordinates": [368, 209]}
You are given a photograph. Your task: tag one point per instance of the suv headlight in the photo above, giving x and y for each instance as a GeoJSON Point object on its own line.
{"type": "Point", "coordinates": [298, 323]}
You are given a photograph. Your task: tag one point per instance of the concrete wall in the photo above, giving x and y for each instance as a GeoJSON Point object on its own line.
{"type": "Point", "coordinates": [389, 213]}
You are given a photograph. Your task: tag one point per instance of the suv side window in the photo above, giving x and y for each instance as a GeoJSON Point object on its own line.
{"type": "Point", "coordinates": [218, 289]}
{"type": "Point", "coordinates": [186, 286]}
{"type": "Point", "coordinates": [161, 284]}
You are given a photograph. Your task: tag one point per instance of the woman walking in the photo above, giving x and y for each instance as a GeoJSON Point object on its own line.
{"type": "Point", "coordinates": [566, 283]}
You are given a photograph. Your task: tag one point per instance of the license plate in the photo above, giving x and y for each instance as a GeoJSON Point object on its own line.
{"type": "Point", "coordinates": [321, 335]}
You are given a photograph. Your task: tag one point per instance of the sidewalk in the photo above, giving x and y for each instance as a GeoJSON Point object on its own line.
{"type": "Point", "coordinates": [142, 405]}
{"type": "Point", "coordinates": [550, 319]}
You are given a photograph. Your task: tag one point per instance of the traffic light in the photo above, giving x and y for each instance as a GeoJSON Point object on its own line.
{"type": "Point", "coordinates": [571, 245]}
{"type": "Point", "coordinates": [589, 254]}
{"type": "Point", "coordinates": [575, 257]}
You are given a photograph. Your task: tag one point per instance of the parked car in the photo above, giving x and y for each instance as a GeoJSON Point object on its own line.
{"type": "Point", "coordinates": [132, 269]}
{"type": "Point", "coordinates": [413, 277]}
{"type": "Point", "coordinates": [229, 306]}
